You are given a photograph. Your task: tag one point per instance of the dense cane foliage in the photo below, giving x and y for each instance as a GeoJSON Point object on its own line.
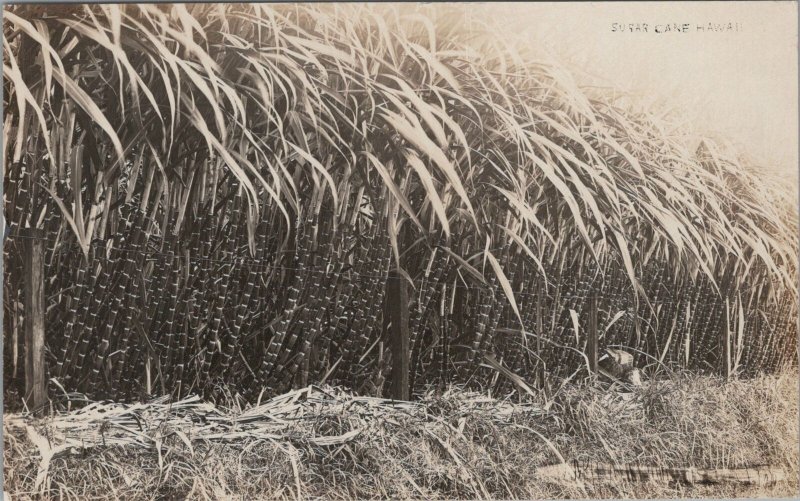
{"type": "Point", "coordinates": [224, 189]}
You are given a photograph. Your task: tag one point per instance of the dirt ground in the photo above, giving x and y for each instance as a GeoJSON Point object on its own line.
{"type": "Point", "coordinates": [327, 443]}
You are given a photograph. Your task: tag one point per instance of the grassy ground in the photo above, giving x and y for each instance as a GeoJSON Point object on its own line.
{"type": "Point", "coordinates": [453, 445]}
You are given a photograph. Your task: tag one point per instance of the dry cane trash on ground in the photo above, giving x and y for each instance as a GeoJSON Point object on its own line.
{"type": "Point", "coordinates": [323, 442]}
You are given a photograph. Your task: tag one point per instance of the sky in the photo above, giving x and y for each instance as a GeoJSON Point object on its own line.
{"type": "Point", "coordinates": [740, 84]}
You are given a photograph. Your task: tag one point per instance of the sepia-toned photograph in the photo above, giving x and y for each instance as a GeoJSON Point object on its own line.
{"type": "Point", "coordinates": [390, 251]}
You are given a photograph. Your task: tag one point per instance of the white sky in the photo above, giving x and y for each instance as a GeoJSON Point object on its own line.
{"type": "Point", "coordinates": [742, 85]}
